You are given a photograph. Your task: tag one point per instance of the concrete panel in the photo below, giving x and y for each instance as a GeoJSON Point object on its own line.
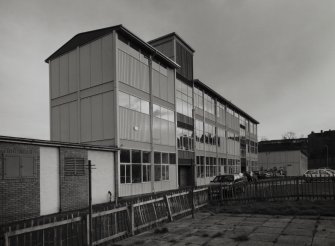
{"type": "Point", "coordinates": [144, 76]}
{"type": "Point", "coordinates": [133, 91]}
{"type": "Point", "coordinates": [64, 123]}
{"type": "Point", "coordinates": [85, 67]}
{"type": "Point", "coordinates": [135, 189]}
{"type": "Point", "coordinates": [55, 124]}
{"type": "Point", "coordinates": [73, 71]}
{"type": "Point", "coordinates": [107, 58]}
{"type": "Point", "coordinates": [49, 180]}
{"type": "Point", "coordinates": [73, 114]}
{"type": "Point", "coordinates": [97, 90]}
{"type": "Point", "coordinates": [96, 63]}
{"type": "Point", "coordinates": [54, 83]}
{"type": "Point", "coordinates": [85, 120]}
{"type": "Point", "coordinates": [64, 75]}
{"type": "Point", "coordinates": [108, 116]}
{"type": "Point", "coordinates": [163, 87]}
{"type": "Point", "coordinates": [64, 99]}
{"type": "Point", "coordinates": [102, 176]}
{"type": "Point", "coordinates": [155, 83]}
{"type": "Point", "coordinates": [171, 86]}
{"type": "Point", "coordinates": [134, 125]}
{"type": "Point", "coordinates": [97, 118]}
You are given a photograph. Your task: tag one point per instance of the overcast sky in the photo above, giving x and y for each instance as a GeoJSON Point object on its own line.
{"type": "Point", "coordinates": [275, 59]}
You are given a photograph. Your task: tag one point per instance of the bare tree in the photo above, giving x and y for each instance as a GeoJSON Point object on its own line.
{"type": "Point", "coordinates": [289, 135]}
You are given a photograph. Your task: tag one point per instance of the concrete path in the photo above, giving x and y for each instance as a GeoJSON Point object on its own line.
{"type": "Point", "coordinates": [243, 229]}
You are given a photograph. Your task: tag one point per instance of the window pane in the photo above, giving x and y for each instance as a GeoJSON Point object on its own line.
{"type": "Point", "coordinates": [157, 158]}
{"type": "Point", "coordinates": [157, 172]}
{"type": "Point", "coordinates": [146, 173]}
{"type": "Point", "coordinates": [146, 157]}
{"type": "Point", "coordinates": [125, 156]}
{"type": "Point", "coordinates": [165, 158]}
{"type": "Point", "coordinates": [127, 173]}
{"type": "Point", "coordinates": [144, 107]}
{"type": "Point", "coordinates": [123, 99]}
{"type": "Point", "coordinates": [164, 113]}
{"type": "Point", "coordinates": [136, 173]}
{"type": "Point", "coordinates": [122, 174]}
{"type": "Point", "coordinates": [12, 167]}
{"type": "Point", "coordinates": [172, 158]}
{"type": "Point", "coordinates": [136, 156]}
{"type": "Point", "coordinates": [171, 115]}
{"type": "Point", "coordinates": [135, 103]}
{"type": "Point", "coordinates": [156, 111]}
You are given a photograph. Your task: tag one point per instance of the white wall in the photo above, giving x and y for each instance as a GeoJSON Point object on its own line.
{"type": "Point", "coordinates": [289, 159]}
{"type": "Point", "coordinates": [49, 180]}
{"type": "Point", "coordinates": [102, 175]}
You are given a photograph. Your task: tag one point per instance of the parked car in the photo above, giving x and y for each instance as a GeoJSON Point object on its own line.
{"type": "Point", "coordinates": [314, 174]}
{"type": "Point", "coordinates": [231, 183]}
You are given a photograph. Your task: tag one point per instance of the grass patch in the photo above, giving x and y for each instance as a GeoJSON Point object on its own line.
{"type": "Point", "coordinates": [305, 207]}
{"type": "Point", "coordinates": [241, 238]}
{"type": "Point", "coordinates": [161, 230]}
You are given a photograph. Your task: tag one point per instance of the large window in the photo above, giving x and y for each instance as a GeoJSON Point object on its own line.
{"type": "Point", "coordinates": [163, 126]}
{"type": "Point", "coordinates": [200, 166]}
{"type": "Point", "coordinates": [221, 136]}
{"type": "Point", "coordinates": [135, 166]}
{"type": "Point", "coordinates": [209, 134]}
{"type": "Point", "coordinates": [198, 98]}
{"type": "Point", "coordinates": [19, 167]}
{"type": "Point", "coordinates": [184, 98]}
{"type": "Point", "coordinates": [199, 134]}
{"type": "Point", "coordinates": [134, 103]}
{"type": "Point", "coordinates": [209, 104]}
{"type": "Point", "coordinates": [161, 162]}
{"type": "Point", "coordinates": [184, 139]}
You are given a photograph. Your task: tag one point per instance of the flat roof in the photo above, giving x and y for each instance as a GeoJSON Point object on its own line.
{"type": "Point", "coordinates": [49, 143]}
{"type": "Point", "coordinates": [86, 37]}
{"type": "Point", "coordinates": [172, 34]}
{"type": "Point", "coordinates": [230, 104]}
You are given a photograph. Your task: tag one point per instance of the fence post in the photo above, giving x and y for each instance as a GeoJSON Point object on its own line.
{"type": "Point", "coordinates": [297, 185]}
{"type": "Point", "coordinates": [132, 219]}
{"type": "Point", "coordinates": [168, 207]}
{"type": "Point", "coordinates": [192, 202]}
{"type": "Point", "coordinates": [221, 193]}
{"type": "Point", "coordinates": [6, 239]}
{"type": "Point", "coordinates": [88, 239]}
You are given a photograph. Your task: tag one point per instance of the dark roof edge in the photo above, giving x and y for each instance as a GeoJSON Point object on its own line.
{"type": "Point", "coordinates": [49, 143]}
{"type": "Point", "coordinates": [172, 34]}
{"type": "Point", "coordinates": [198, 82]}
{"type": "Point", "coordinates": [108, 31]}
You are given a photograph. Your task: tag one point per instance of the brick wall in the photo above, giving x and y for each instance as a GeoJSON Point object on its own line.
{"type": "Point", "coordinates": [74, 189]}
{"type": "Point", "coordinates": [19, 197]}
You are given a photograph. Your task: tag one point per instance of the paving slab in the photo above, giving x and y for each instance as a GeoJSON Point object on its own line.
{"type": "Point", "coordinates": [264, 237]}
{"type": "Point", "coordinates": [294, 240]}
{"type": "Point", "coordinates": [223, 229]}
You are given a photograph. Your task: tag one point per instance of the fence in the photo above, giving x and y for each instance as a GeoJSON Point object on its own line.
{"type": "Point", "coordinates": [288, 188]}
{"type": "Point", "coordinates": [115, 223]}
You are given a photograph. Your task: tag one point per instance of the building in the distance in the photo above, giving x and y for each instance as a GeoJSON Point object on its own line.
{"type": "Point", "coordinates": [321, 148]}
{"type": "Point", "coordinates": [289, 155]}
{"type": "Point", "coordinates": [109, 87]}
